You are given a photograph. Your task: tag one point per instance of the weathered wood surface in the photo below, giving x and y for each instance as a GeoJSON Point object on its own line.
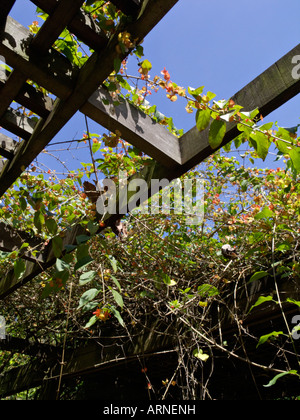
{"type": "Point", "coordinates": [96, 355]}
{"type": "Point", "coordinates": [135, 127]}
{"type": "Point", "coordinates": [12, 239]}
{"type": "Point", "coordinates": [63, 13]}
{"type": "Point", "coordinates": [7, 146]}
{"type": "Point", "coordinates": [267, 92]}
{"type": "Point", "coordinates": [94, 72]}
{"type": "Point", "coordinates": [17, 123]}
{"type": "Point", "coordinates": [52, 70]}
{"type": "Point", "coordinates": [82, 25]}
{"type": "Point", "coordinates": [35, 266]}
{"type": "Point", "coordinates": [129, 7]}
{"type": "Point", "coordinates": [6, 6]}
{"type": "Point", "coordinates": [28, 347]}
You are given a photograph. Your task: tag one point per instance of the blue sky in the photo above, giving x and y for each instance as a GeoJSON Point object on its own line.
{"type": "Point", "coordinates": [221, 45]}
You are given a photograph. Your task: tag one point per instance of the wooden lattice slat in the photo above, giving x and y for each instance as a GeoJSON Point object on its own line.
{"type": "Point", "coordinates": [129, 7]}
{"type": "Point", "coordinates": [82, 25]}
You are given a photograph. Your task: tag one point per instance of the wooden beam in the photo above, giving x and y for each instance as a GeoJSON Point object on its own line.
{"type": "Point", "coordinates": [17, 123]}
{"type": "Point", "coordinates": [30, 98]}
{"type": "Point", "coordinates": [128, 7]}
{"type": "Point", "coordinates": [135, 126]}
{"type": "Point", "coordinates": [52, 70]}
{"type": "Point", "coordinates": [82, 25]}
{"type": "Point", "coordinates": [10, 89]}
{"type": "Point", "coordinates": [6, 6]}
{"type": "Point", "coordinates": [93, 73]}
{"type": "Point", "coordinates": [36, 266]}
{"type": "Point", "coordinates": [11, 240]}
{"type": "Point", "coordinates": [29, 347]}
{"type": "Point", "coordinates": [62, 14]}
{"type": "Point", "coordinates": [94, 357]}
{"type": "Point", "coordinates": [267, 92]}
{"type": "Point", "coordinates": [7, 146]}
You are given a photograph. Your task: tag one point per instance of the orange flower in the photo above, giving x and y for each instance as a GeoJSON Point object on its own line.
{"type": "Point", "coordinates": [101, 314]}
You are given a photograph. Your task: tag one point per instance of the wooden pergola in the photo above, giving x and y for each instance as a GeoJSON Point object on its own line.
{"type": "Point", "coordinates": [33, 58]}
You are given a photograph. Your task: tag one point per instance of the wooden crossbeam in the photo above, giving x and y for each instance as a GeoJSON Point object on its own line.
{"type": "Point", "coordinates": [38, 264]}
{"type": "Point", "coordinates": [29, 97]}
{"type": "Point", "coordinates": [52, 70]}
{"type": "Point", "coordinates": [62, 14]}
{"type": "Point", "coordinates": [129, 7]}
{"type": "Point", "coordinates": [267, 92]}
{"type": "Point", "coordinates": [82, 360]}
{"type": "Point", "coordinates": [12, 239]}
{"type": "Point", "coordinates": [135, 126]}
{"type": "Point", "coordinates": [29, 347]}
{"type": "Point", "coordinates": [17, 123]}
{"type": "Point", "coordinates": [94, 72]}
{"type": "Point", "coordinates": [7, 146]}
{"type": "Point", "coordinates": [6, 6]}
{"type": "Point", "coordinates": [82, 25]}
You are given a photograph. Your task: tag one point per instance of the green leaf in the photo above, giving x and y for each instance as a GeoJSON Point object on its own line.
{"type": "Point", "coordinates": [280, 375]}
{"type": "Point", "coordinates": [295, 302]}
{"type": "Point", "coordinates": [200, 355]}
{"type": "Point", "coordinates": [117, 64]}
{"type": "Point", "coordinates": [113, 263]}
{"type": "Point", "coordinates": [96, 147]}
{"type": "Point", "coordinates": [202, 119]}
{"type": "Point", "coordinates": [38, 220]}
{"type": "Point", "coordinates": [168, 281]}
{"type": "Point", "coordinates": [117, 314]}
{"type": "Point", "coordinates": [51, 225]}
{"type": "Point", "coordinates": [61, 265]}
{"type": "Point", "coordinates": [19, 268]}
{"type": "Point", "coordinates": [260, 300]}
{"type": "Point", "coordinates": [57, 245]}
{"type": "Point", "coordinates": [92, 227]}
{"type": "Point", "coordinates": [195, 92]}
{"type": "Point", "coordinates": [146, 65]}
{"type": "Point", "coordinates": [217, 132]}
{"type": "Point", "coordinates": [23, 203]}
{"type": "Point", "coordinates": [208, 290]}
{"type": "Point", "coordinates": [91, 322]}
{"type": "Point", "coordinates": [266, 337]}
{"type": "Point", "coordinates": [258, 275]}
{"type": "Point", "coordinates": [118, 298]}
{"type": "Point", "coordinates": [87, 277]}
{"type": "Point", "coordinates": [262, 144]}
{"type": "Point", "coordinates": [83, 262]}
{"type": "Point", "coordinates": [116, 283]}
{"type": "Point", "coordinates": [87, 296]}
{"type": "Point", "coordinates": [265, 213]}
{"type": "Point", "coordinates": [295, 157]}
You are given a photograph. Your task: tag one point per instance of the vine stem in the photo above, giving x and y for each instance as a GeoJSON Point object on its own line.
{"type": "Point", "coordinates": [90, 147]}
{"type": "Point", "coordinates": [278, 294]}
{"type": "Point", "coordinates": [231, 353]}
{"type": "Point", "coordinates": [62, 363]}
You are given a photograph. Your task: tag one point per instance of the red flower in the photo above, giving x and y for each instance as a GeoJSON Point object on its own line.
{"type": "Point", "coordinates": [166, 74]}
